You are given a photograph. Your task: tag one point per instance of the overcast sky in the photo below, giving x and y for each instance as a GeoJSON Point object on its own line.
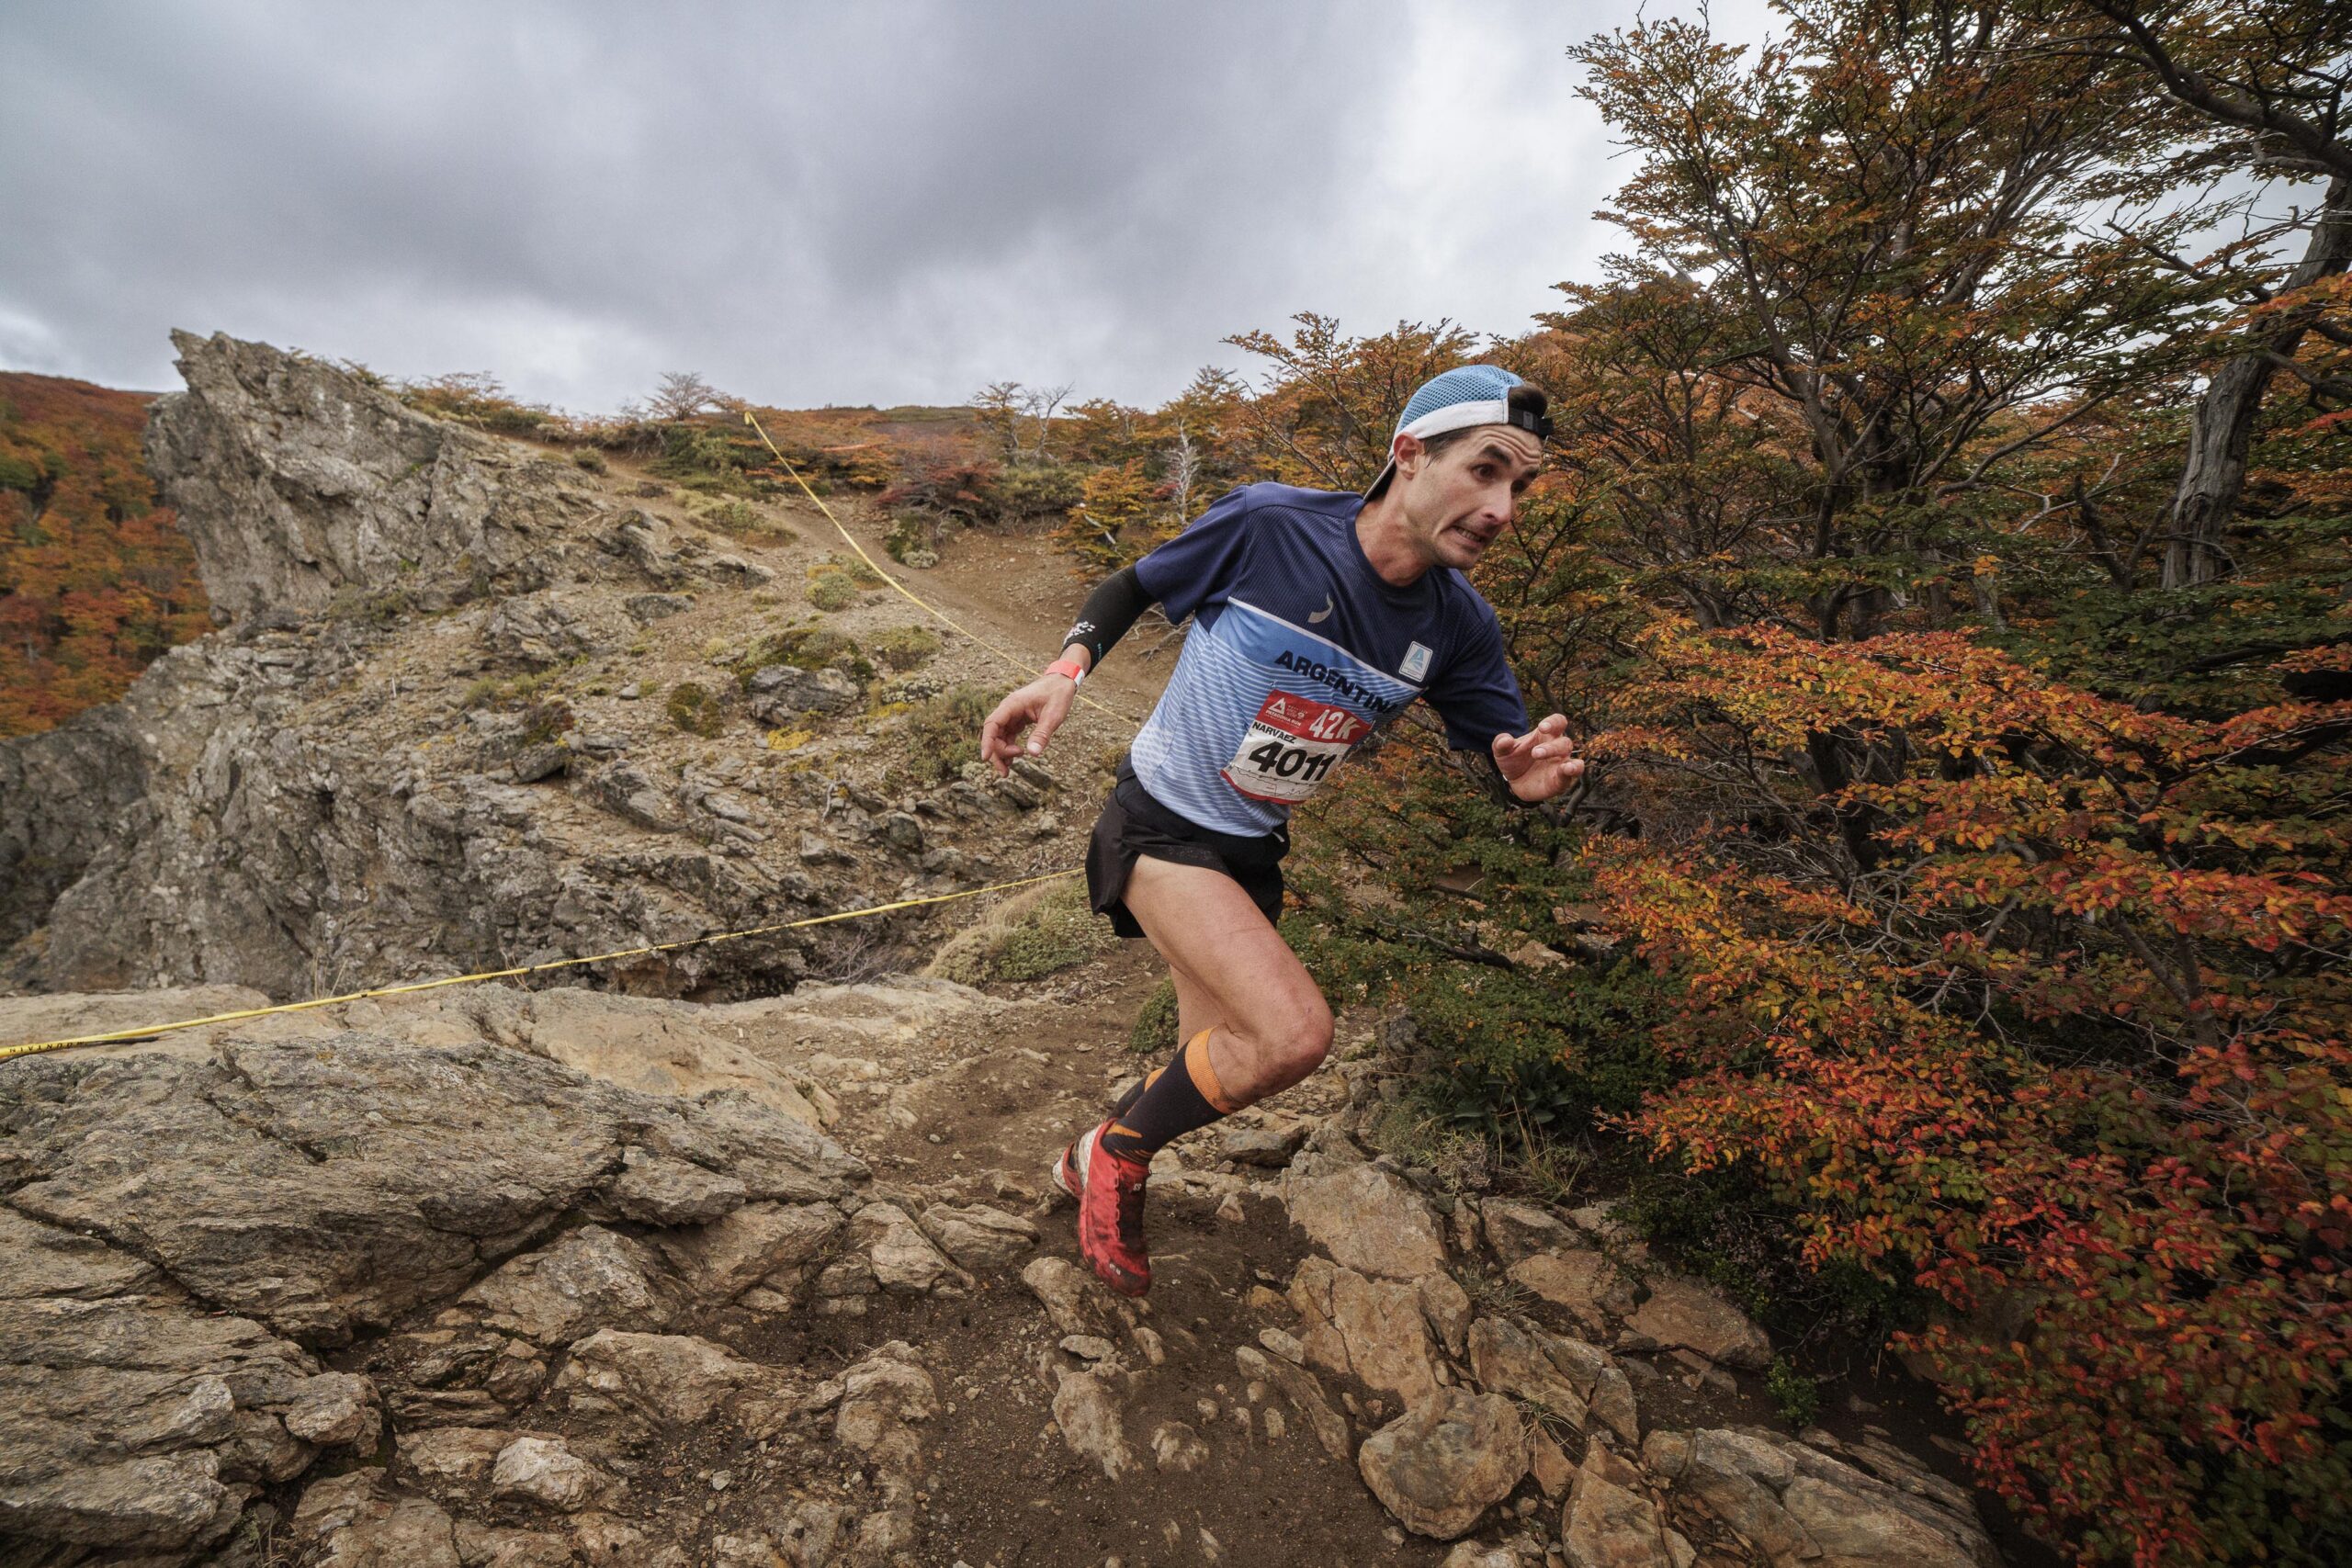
{"type": "Point", "coordinates": [875, 202]}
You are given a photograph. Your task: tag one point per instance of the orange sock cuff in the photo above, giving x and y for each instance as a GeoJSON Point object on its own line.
{"type": "Point", "coordinates": [1204, 1074]}
{"type": "Point", "coordinates": [1169, 1106]}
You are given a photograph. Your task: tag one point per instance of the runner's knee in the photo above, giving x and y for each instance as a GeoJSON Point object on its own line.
{"type": "Point", "coordinates": [1301, 1039]}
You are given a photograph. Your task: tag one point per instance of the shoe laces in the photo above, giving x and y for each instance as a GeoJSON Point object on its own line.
{"type": "Point", "coordinates": [1131, 1215]}
{"type": "Point", "coordinates": [1130, 1199]}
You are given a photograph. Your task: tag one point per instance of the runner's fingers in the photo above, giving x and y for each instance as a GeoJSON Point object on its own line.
{"type": "Point", "coordinates": [1002, 728]}
{"type": "Point", "coordinates": [1047, 722]}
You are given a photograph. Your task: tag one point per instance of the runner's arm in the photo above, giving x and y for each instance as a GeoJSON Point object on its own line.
{"type": "Point", "coordinates": [1117, 603]}
{"type": "Point", "coordinates": [1523, 764]}
{"type": "Point", "coordinates": [1114, 605]}
{"type": "Point", "coordinates": [1186, 569]}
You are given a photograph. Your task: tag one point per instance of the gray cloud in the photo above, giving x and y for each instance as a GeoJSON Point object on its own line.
{"type": "Point", "coordinates": [884, 202]}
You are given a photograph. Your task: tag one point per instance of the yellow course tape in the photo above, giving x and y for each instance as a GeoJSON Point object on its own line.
{"type": "Point", "coordinates": [926, 605]}
{"type": "Point", "coordinates": [147, 1030]}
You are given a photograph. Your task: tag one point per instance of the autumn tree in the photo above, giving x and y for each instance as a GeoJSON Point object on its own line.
{"type": "Point", "coordinates": [1017, 422]}
{"type": "Point", "coordinates": [1881, 238]}
{"type": "Point", "coordinates": [1950, 897]}
{"type": "Point", "coordinates": [1111, 525]}
{"type": "Point", "coordinates": [2265, 82]}
{"type": "Point", "coordinates": [681, 395]}
{"type": "Point", "coordinates": [1329, 401]}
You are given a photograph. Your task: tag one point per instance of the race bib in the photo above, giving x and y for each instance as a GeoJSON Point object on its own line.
{"type": "Point", "coordinates": [1291, 748]}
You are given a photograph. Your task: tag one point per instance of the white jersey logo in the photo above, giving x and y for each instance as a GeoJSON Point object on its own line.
{"type": "Point", "coordinates": [1317, 616]}
{"type": "Point", "coordinates": [1417, 662]}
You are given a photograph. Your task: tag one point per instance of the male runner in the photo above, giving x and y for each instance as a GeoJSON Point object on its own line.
{"type": "Point", "coordinates": [1319, 617]}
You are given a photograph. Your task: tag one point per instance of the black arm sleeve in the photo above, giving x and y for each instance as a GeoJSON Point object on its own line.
{"type": "Point", "coordinates": [1116, 603]}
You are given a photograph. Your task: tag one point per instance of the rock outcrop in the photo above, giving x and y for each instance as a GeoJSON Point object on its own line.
{"type": "Point", "coordinates": [408, 752]}
{"type": "Point", "coordinates": [474, 1285]}
{"type": "Point", "coordinates": [67, 792]}
{"type": "Point", "coordinates": [298, 480]}
{"type": "Point", "coordinates": [1794, 1500]}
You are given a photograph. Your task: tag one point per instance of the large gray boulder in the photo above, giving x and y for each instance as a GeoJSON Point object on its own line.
{"type": "Point", "coordinates": [133, 1416]}
{"type": "Point", "coordinates": [1792, 1500]}
{"type": "Point", "coordinates": [1440, 1466]}
{"type": "Point", "coordinates": [179, 1235]}
{"type": "Point", "coordinates": [334, 1185]}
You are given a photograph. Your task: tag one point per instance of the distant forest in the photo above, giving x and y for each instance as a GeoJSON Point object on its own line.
{"type": "Point", "coordinates": [95, 579]}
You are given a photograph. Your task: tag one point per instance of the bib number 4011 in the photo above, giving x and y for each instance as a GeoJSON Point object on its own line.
{"type": "Point", "coordinates": [1291, 748]}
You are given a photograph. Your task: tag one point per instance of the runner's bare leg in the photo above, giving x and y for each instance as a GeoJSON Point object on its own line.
{"type": "Point", "coordinates": [1272, 1025]}
{"type": "Point", "coordinates": [1196, 1004]}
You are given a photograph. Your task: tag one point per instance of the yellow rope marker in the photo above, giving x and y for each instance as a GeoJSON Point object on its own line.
{"type": "Point", "coordinates": [924, 604]}
{"type": "Point", "coordinates": [147, 1030]}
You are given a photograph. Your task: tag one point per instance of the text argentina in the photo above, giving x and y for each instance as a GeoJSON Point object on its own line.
{"type": "Point", "coordinates": [1316, 670]}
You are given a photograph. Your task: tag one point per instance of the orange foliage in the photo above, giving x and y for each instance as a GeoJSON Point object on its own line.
{"type": "Point", "coordinates": [2074, 1034]}
{"type": "Point", "coordinates": [96, 580]}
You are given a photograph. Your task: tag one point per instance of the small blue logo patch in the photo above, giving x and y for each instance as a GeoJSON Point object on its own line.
{"type": "Point", "coordinates": [1417, 662]}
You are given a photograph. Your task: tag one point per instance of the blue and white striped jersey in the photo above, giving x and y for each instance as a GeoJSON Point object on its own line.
{"type": "Point", "coordinates": [1298, 651]}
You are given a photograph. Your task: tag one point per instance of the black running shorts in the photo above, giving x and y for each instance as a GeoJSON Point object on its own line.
{"type": "Point", "coordinates": [1132, 824]}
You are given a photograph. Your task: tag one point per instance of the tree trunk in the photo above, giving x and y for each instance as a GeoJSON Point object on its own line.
{"type": "Point", "coordinates": [2214, 474]}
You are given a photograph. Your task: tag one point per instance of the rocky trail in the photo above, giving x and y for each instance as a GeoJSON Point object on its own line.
{"type": "Point", "coordinates": [407, 1288]}
{"type": "Point", "coordinates": [751, 1260]}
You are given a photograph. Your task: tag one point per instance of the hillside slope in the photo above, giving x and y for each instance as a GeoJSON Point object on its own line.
{"type": "Point", "coordinates": [477, 707]}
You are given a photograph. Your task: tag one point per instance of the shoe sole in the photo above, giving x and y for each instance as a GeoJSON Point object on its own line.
{"type": "Point", "coordinates": [1064, 1165]}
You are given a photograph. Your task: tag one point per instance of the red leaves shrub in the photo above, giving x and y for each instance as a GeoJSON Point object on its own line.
{"type": "Point", "coordinates": [2042, 1009]}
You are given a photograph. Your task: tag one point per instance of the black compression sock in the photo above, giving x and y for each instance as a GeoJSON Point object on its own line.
{"type": "Point", "coordinates": [1180, 1096]}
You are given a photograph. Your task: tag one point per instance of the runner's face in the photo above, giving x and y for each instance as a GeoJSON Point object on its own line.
{"type": "Point", "coordinates": [1456, 502]}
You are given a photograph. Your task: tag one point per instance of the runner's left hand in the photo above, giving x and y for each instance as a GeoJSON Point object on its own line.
{"type": "Point", "coordinates": [1540, 763]}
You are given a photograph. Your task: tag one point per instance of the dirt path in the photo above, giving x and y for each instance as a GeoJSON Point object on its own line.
{"type": "Point", "coordinates": [990, 1111]}
{"type": "Point", "coordinates": [1020, 591]}
{"type": "Point", "coordinates": [980, 1117]}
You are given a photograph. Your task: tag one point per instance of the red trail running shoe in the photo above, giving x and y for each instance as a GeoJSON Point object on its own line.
{"type": "Point", "coordinates": [1109, 1190]}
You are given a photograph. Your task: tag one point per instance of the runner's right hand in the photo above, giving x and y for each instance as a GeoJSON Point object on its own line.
{"type": "Point", "coordinates": [1045, 701]}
